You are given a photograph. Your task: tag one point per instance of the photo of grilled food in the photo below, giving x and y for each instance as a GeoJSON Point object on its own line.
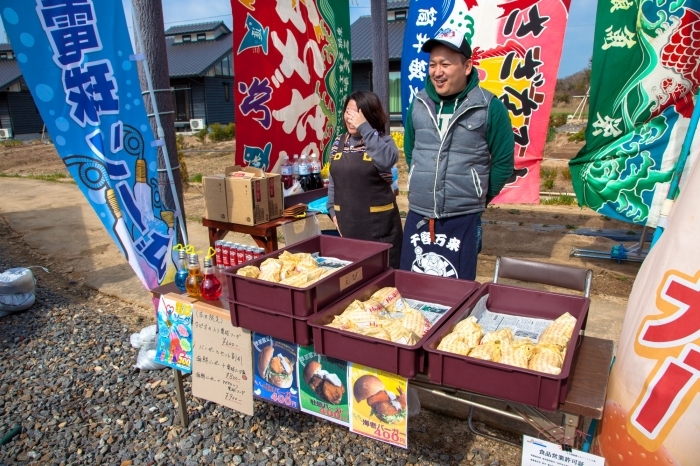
{"type": "Point", "coordinates": [386, 405]}
{"type": "Point", "coordinates": [325, 385]}
{"type": "Point", "coordinates": [278, 370]}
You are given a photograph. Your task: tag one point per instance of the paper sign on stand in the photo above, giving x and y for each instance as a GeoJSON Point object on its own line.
{"type": "Point", "coordinates": [223, 362]}
{"type": "Point", "coordinates": [538, 452]}
{"type": "Point", "coordinates": [387, 419]}
{"type": "Point", "coordinates": [174, 321]}
{"type": "Point", "coordinates": [323, 386]}
{"type": "Point", "coordinates": [275, 371]}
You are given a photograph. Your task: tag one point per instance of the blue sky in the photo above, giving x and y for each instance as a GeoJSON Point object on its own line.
{"type": "Point", "coordinates": [578, 44]}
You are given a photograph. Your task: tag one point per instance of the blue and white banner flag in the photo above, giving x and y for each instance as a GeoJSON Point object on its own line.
{"type": "Point", "coordinates": [77, 60]}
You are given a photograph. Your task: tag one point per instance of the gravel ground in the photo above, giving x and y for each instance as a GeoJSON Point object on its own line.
{"type": "Point", "coordinates": [66, 378]}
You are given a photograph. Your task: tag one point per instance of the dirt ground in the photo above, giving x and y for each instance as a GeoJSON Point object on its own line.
{"type": "Point", "coordinates": [539, 232]}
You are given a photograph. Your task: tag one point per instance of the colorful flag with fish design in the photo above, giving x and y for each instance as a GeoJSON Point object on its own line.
{"type": "Point", "coordinates": [507, 41]}
{"type": "Point", "coordinates": [77, 60]}
{"type": "Point", "coordinates": [644, 74]}
{"type": "Point", "coordinates": [292, 67]}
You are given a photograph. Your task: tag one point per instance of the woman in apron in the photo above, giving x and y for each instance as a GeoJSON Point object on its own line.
{"type": "Point", "coordinates": [360, 199]}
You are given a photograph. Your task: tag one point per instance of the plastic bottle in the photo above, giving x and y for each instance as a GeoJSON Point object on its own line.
{"type": "Point", "coordinates": [194, 277]}
{"type": "Point", "coordinates": [316, 181]}
{"type": "Point", "coordinates": [210, 288]}
{"type": "Point", "coordinates": [287, 171]}
{"type": "Point", "coordinates": [182, 271]}
{"type": "Point", "coordinates": [295, 167]}
{"type": "Point", "coordinates": [304, 176]}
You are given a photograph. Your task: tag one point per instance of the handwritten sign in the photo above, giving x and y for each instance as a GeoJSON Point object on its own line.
{"type": "Point", "coordinates": [223, 362]}
{"type": "Point", "coordinates": [538, 452]}
{"type": "Point", "coordinates": [350, 279]}
{"type": "Point", "coordinates": [323, 383]}
{"type": "Point", "coordinates": [174, 320]}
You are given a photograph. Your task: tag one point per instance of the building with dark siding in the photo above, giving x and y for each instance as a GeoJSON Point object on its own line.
{"type": "Point", "coordinates": [17, 110]}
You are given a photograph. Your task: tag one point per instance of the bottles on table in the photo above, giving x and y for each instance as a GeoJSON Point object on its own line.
{"type": "Point", "coordinates": [182, 272]}
{"type": "Point", "coordinates": [210, 287]}
{"type": "Point", "coordinates": [304, 174]}
{"type": "Point", "coordinates": [295, 167]}
{"type": "Point", "coordinates": [287, 172]}
{"type": "Point", "coordinates": [316, 181]}
{"type": "Point", "coordinates": [194, 277]}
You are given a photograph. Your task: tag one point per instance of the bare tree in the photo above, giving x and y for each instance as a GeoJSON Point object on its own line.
{"type": "Point", "coordinates": [380, 53]}
{"type": "Point", "coordinates": [149, 14]}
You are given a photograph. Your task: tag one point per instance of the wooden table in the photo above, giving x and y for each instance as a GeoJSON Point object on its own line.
{"type": "Point", "coordinates": [264, 234]}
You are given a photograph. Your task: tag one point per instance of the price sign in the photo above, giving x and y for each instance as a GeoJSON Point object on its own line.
{"type": "Point", "coordinates": [538, 452]}
{"type": "Point", "coordinates": [350, 279]}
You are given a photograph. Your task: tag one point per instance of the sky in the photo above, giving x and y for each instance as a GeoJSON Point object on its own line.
{"type": "Point", "coordinates": [578, 44]}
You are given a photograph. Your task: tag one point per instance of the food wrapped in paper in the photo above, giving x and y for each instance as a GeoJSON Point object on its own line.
{"type": "Point", "coordinates": [288, 270]}
{"type": "Point", "coordinates": [298, 280]}
{"type": "Point", "coordinates": [388, 296]}
{"type": "Point", "coordinates": [560, 341]}
{"type": "Point", "coordinates": [322, 273]}
{"type": "Point", "coordinates": [470, 330]}
{"type": "Point", "coordinates": [524, 344]}
{"type": "Point", "coordinates": [342, 323]}
{"type": "Point", "coordinates": [563, 326]}
{"type": "Point", "coordinates": [374, 332]}
{"type": "Point", "coordinates": [270, 270]}
{"type": "Point", "coordinates": [354, 306]}
{"type": "Point", "coordinates": [415, 321]}
{"type": "Point", "coordinates": [513, 356]}
{"type": "Point", "coordinates": [249, 271]}
{"type": "Point", "coordinates": [307, 264]}
{"type": "Point", "coordinates": [373, 306]}
{"type": "Point", "coordinates": [361, 318]}
{"type": "Point", "coordinates": [546, 359]}
{"type": "Point", "coordinates": [488, 352]}
{"type": "Point", "coordinates": [498, 336]}
{"type": "Point", "coordinates": [454, 343]}
{"type": "Point", "coordinates": [400, 334]}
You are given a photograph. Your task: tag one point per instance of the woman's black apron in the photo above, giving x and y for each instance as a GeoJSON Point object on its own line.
{"type": "Point", "coordinates": [365, 205]}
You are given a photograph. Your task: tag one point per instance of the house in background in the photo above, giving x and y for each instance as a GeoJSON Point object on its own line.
{"type": "Point", "coordinates": [361, 45]}
{"type": "Point", "coordinates": [201, 73]}
{"type": "Point", "coordinates": [18, 114]}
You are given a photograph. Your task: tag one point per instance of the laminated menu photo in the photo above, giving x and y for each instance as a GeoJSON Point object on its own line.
{"type": "Point", "coordinates": [275, 366]}
{"type": "Point", "coordinates": [323, 386]}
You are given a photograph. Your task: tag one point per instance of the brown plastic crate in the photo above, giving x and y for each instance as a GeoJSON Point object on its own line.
{"type": "Point", "coordinates": [545, 391]}
{"type": "Point", "coordinates": [369, 259]}
{"type": "Point", "coordinates": [283, 326]}
{"type": "Point", "coordinates": [404, 360]}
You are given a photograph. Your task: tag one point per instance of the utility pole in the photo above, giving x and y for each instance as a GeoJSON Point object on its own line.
{"type": "Point", "coordinates": [149, 14]}
{"type": "Point", "coordinates": [380, 54]}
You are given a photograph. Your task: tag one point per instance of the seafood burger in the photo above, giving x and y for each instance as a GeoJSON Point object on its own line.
{"type": "Point", "coordinates": [327, 386]}
{"type": "Point", "coordinates": [278, 370]}
{"type": "Point", "coordinates": [386, 406]}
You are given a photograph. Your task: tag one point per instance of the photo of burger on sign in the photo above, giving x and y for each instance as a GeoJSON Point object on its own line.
{"type": "Point", "coordinates": [275, 371]}
{"type": "Point", "coordinates": [323, 386]}
{"type": "Point", "coordinates": [378, 405]}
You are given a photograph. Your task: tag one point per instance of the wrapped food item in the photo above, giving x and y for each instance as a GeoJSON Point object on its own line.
{"type": "Point", "coordinates": [470, 330]}
{"type": "Point", "coordinates": [488, 352]}
{"type": "Point", "coordinates": [546, 359]}
{"type": "Point", "coordinates": [342, 323]}
{"type": "Point", "coordinates": [374, 332]}
{"type": "Point", "coordinates": [298, 280]}
{"type": "Point", "coordinates": [359, 316]}
{"type": "Point", "coordinates": [288, 270]}
{"type": "Point", "coordinates": [454, 343]}
{"type": "Point", "coordinates": [388, 296]}
{"type": "Point", "coordinates": [249, 271]}
{"type": "Point", "coordinates": [500, 335]}
{"type": "Point", "coordinates": [307, 264]}
{"type": "Point", "coordinates": [323, 273]}
{"type": "Point", "coordinates": [513, 356]}
{"type": "Point", "coordinates": [270, 270]}
{"type": "Point", "coordinates": [400, 334]}
{"type": "Point", "coordinates": [415, 321]}
{"type": "Point", "coordinates": [373, 306]}
{"type": "Point", "coordinates": [524, 344]}
{"type": "Point", "coordinates": [563, 326]}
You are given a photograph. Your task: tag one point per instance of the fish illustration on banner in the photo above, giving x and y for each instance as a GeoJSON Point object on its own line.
{"type": "Point", "coordinates": [77, 60]}
{"type": "Point", "coordinates": [507, 41]}
{"type": "Point", "coordinates": [291, 101]}
{"type": "Point", "coordinates": [652, 408]}
{"type": "Point", "coordinates": [639, 113]}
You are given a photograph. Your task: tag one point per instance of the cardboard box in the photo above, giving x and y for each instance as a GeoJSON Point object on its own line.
{"type": "Point", "coordinates": [246, 194]}
{"type": "Point", "coordinates": [215, 202]}
{"type": "Point", "coordinates": [275, 195]}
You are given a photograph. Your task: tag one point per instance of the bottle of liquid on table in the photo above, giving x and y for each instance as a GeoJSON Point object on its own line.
{"type": "Point", "coordinates": [287, 172]}
{"type": "Point", "coordinates": [295, 167]}
{"type": "Point", "coordinates": [304, 173]}
{"type": "Point", "coordinates": [194, 277]}
{"type": "Point", "coordinates": [182, 271]}
{"type": "Point", "coordinates": [210, 288]}
{"type": "Point", "coordinates": [316, 181]}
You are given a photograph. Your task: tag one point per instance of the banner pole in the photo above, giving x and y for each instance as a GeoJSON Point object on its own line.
{"type": "Point", "coordinates": [677, 172]}
{"type": "Point", "coordinates": [161, 133]}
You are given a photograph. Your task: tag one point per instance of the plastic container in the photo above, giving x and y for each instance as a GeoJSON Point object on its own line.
{"type": "Point", "coordinates": [400, 359]}
{"type": "Point", "coordinates": [368, 258]}
{"type": "Point", "coordinates": [545, 391]}
{"type": "Point", "coordinates": [283, 326]}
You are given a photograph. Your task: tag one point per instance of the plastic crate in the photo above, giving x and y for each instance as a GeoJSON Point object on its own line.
{"type": "Point", "coordinates": [545, 391]}
{"type": "Point", "coordinates": [283, 326]}
{"type": "Point", "coordinates": [368, 258]}
{"type": "Point", "coordinates": [404, 360]}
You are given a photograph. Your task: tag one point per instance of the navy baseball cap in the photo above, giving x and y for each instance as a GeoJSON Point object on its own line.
{"type": "Point", "coordinates": [450, 38]}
